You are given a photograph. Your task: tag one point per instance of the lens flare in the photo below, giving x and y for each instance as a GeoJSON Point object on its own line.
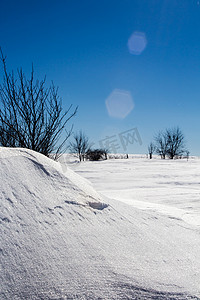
{"type": "Point", "coordinates": [137, 43]}
{"type": "Point", "coordinates": [119, 104]}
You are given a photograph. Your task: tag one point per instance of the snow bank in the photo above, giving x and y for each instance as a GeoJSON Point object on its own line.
{"type": "Point", "coordinates": [59, 240]}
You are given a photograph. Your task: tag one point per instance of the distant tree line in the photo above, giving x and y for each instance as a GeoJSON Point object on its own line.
{"type": "Point", "coordinates": [169, 143]}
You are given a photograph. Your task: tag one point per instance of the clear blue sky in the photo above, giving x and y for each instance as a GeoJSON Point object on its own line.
{"type": "Point", "coordinates": [83, 47]}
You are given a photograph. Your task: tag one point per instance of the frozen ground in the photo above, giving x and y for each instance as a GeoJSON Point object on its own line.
{"type": "Point", "coordinates": [60, 239]}
{"type": "Point", "coordinates": [167, 190]}
{"type": "Point", "coordinates": [168, 187]}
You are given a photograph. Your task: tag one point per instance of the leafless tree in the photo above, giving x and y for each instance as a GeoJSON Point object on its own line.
{"type": "Point", "coordinates": [161, 144]}
{"type": "Point", "coordinates": [187, 154]}
{"type": "Point", "coordinates": [80, 145]}
{"type": "Point", "coordinates": [170, 143]}
{"type": "Point", "coordinates": [151, 149]}
{"type": "Point", "coordinates": [176, 142]}
{"type": "Point", "coordinates": [31, 115]}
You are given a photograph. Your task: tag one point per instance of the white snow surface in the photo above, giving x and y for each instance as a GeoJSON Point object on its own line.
{"type": "Point", "coordinates": [138, 237]}
{"type": "Point", "coordinates": [169, 187]}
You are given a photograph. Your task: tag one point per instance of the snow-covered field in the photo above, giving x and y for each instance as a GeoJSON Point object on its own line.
{"type": "Point", "coordinates": [169, 192]}
{"type": "Point", "coordinates": [169, 187]}
{"type": "Point", "coordinates": [138, 238]}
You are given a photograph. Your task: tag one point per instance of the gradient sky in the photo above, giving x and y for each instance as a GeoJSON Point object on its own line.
{"type": "Point", "coordinates": [83, 47]}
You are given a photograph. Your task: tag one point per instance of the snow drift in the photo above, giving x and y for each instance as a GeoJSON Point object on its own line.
{"type": "Point", "coordinates": [59, 240]}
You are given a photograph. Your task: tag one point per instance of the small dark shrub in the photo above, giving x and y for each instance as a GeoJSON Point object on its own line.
{"type": "Point", "coordinates": [96, 154]}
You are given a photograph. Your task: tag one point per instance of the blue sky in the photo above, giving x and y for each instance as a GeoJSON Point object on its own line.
{"type": "Point", "coordinates": [83, 47]}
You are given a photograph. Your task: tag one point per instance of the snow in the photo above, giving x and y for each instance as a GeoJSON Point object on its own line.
{"type": "Point", "coordinates": [169, 187]}
{"type": "Point", "coordinates": [60, 239]}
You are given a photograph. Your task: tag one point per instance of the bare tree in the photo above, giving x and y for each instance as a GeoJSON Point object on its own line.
{"type": "Point", "coordinates": [170, 143]}
{"type": "Point", "coordinates": [80, 145]}
{"type": "Point", "coordinates": [187, 154]}
{"type": "Point", "coordinates": [151, 149]}
{"type": "Point", "coordinates": [176, 142]}
{"type": "Point", "coordinates": [161, 144]}
{"type": "Point", "coordinates": [31, 115]}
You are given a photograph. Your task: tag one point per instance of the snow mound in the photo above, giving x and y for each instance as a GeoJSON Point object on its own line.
{"type": "Point", "coordinates": [59, 240]}
{"type": "Point", "coordinates": [34, 192]}
{"type": "Point", "coordinates": [25, 172]}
